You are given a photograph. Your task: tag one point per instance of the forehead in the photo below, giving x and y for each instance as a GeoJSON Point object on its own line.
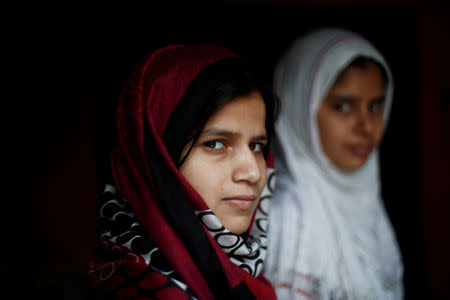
{"type": "Point", "coordinates": [366, 79]}
{"type": "Point", "coordinates": [369, 69]}
{"type": "Point", "coordinates": [242, 114]}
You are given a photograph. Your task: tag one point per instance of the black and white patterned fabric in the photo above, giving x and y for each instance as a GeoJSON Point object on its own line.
{"type": "Point", "coordinates": [248, 254]}
{"type": "Point", "coordinates": [118, 224]}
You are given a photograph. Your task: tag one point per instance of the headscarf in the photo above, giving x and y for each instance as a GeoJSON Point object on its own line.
{"type": "Point", "coordinates": [158, 237]}
{"type": "Point", "coordinates": [330, 237]}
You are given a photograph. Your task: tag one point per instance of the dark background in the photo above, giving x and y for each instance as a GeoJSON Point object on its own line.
{"type": "Point", "coordinates": [66, 65]}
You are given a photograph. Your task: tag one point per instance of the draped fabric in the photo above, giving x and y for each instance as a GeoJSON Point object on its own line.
{"type": "Point", "coordinates": [158, 237]}
{"type": "Point", "coordinates": [330, 237]}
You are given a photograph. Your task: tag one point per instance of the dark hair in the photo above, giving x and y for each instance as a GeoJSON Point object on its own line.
{"type": "Point", "coordinates": [214, 87]}
{"type": "Point", "coordinates": [362, 62]}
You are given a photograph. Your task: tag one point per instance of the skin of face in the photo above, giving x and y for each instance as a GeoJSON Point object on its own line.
{"type": "Point", "coordinates": [226, 166]}
{"type": "Point", "coordinates": [350, 117]}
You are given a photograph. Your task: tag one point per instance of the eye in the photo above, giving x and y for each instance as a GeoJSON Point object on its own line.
{"type": "Point", "coordinates": [376, 106]}
{"type": "Point", "coordinates": [215, 145]}
{"type": "Point", "coordinates": [342, 107]}
{"type": "Point", "coordinates": [256, 147]}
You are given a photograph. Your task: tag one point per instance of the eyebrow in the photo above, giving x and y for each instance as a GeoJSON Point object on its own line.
{"type": "Point", "coordinates": [222, 132]}
{"type": "Point", "coordinates": [338, 97]}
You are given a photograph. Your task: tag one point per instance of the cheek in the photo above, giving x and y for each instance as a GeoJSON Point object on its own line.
{"type": "Point", "coordinates": [205, 178]}
{"type": "Point", "coordinates": [208, 187]}
{"type": "Point", "coordinates": [379, 132]}
{"type": "Point", "coordinates": [332, 132]}
{"type": "Point", "coordinates": [263, 170]}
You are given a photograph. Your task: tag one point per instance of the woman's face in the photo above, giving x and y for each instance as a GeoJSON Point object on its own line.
{"type": "Point", "coordinates": [226, 165]}
{"type": "Point", "coordinates": [350, 118]}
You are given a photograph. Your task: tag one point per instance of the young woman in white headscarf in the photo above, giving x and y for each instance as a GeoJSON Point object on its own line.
{"type": "Point", "coordinates": [330, 236]}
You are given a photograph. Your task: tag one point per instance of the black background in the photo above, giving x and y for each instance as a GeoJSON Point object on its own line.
{"type": "Point", "coordinates": [65, 68]}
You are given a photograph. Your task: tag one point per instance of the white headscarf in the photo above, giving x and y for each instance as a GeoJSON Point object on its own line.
{"type": "Point", "coordinates": [330, 234]}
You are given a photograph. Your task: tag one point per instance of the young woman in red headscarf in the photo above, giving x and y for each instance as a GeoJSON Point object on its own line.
{"type": "Point", "coordinates": [185, 216]}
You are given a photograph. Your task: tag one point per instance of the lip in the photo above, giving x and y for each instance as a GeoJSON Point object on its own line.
{"type": "Point", "coordinates": [243, 202]}
{"type": "Point", "coordinates": [361, 150]}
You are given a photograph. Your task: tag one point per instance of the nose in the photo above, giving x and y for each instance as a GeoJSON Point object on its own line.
{"type": "Point", "coordinates": [365, 122]}
{"type": "Point", "coordinates": [246, 167]}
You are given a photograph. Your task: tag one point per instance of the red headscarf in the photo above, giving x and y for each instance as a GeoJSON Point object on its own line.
{"type": "Point", "coordinates": [161, 199]}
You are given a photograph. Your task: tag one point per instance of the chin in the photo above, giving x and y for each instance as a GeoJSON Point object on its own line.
{"type": "Point", "coordinates": [354, 166]}
{"type": "Point", "coordinates": [238, 226]}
